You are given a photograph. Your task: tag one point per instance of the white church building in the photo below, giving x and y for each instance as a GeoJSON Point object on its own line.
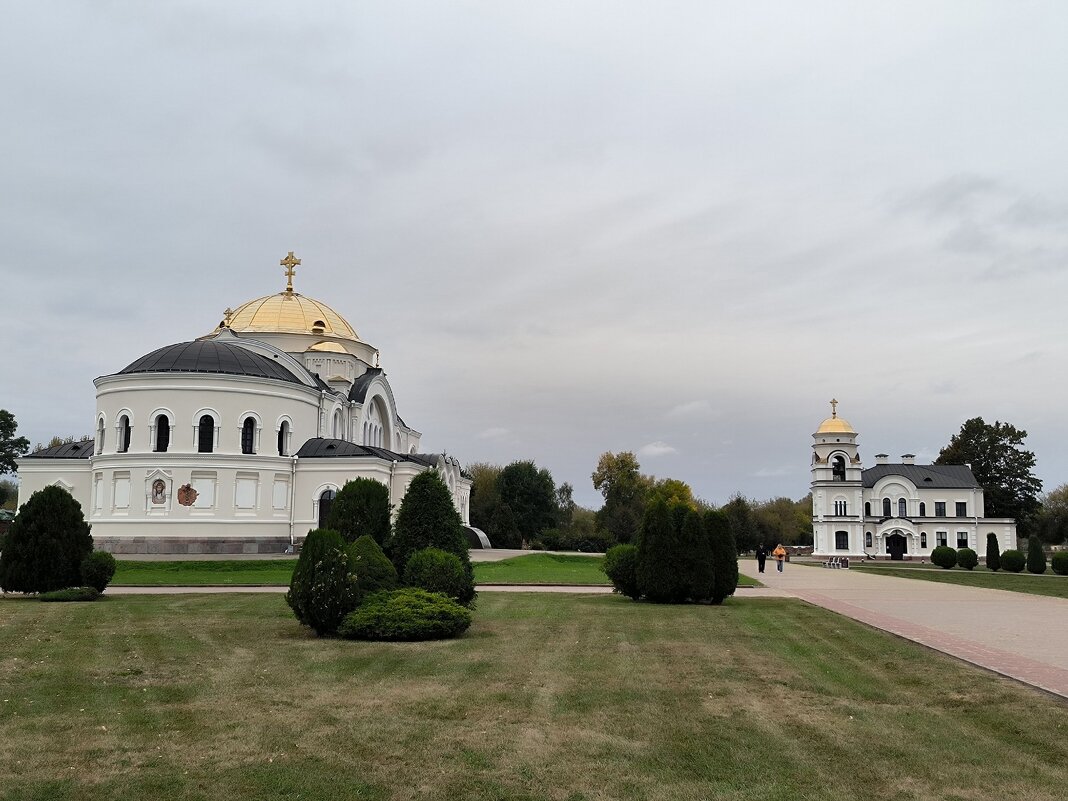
{"type": "Point", "coordinates": [237, 441]}
{"type": "Point", "coordinates": [897, 510]}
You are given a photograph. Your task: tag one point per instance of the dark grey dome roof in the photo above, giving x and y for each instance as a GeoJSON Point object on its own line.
{"type": "Point", "coordinates": [205, 356]}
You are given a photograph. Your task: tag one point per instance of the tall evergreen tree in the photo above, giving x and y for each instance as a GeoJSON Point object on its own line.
{"type": "Point", "coordinates": [46, 544]}
{"type": "Point", "coordinates": [700, 574]}
{"type": "Point", "coordinates": [531, 495]}
{"type": "Point", "coordinates": [361, 507]}
{"type": "Point", "coordinates": [428, 519]}
{"type": "Point", "coordinates": [993, 552]}
{"type": "Point", "coordinates": [1036, 557]}
{"type": "Point", "coordinates": [661, 564]}
{"type": "Point", "coordinates": [724, 555]}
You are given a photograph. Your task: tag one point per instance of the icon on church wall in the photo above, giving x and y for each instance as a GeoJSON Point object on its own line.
{"type": "Point", "coordinates": [159, 491]}
{"type": "Point", "coordinates": [187, 496]}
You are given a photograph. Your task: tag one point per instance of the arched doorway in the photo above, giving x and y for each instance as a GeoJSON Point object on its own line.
{"type": "Point", "coordinates": [326, 500]}
{"type": "Point", "coordinates": [897, 546]}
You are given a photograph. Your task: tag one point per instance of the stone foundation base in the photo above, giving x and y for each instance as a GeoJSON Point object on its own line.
{"type": "Point", "coordinates": [171, 545]}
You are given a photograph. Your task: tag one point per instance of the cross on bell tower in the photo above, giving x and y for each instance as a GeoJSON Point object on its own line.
{"type": "Point", "coordinates": [290, 263]}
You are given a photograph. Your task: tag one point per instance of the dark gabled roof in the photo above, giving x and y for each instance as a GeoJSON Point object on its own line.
{"type": "Point", "coordinates": [321, 448]}
{"type": "Point", "coordinates": [206, 356]}
{"type": "Point", "coordinates": [68, 450]}
{"type": "Point", "coordinates": [359, 387]}
{"type": "Point", "coordinates": [942, 476]}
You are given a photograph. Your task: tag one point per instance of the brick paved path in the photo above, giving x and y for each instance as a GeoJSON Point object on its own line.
{"type": "Point", "coordinates": [1015, 634]}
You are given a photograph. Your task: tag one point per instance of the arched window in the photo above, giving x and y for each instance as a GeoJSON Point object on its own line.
{"type": "Point", "coordinates": [163, 433]}
{"type": "Point", "coordinates": [248, 435]}
{"type": "Point", "coordinates": [100, 435]}
{"type": "Point", "coordinates": [867, 539]}
{"type": "Point", "coordinates": [840, 508]}
{"type": "Point", "coordinates": [886, 507]}
{"type": "Point", "coordinates": [325, 502]}
{"type": "Point", "coordinates": [338, 431]}
{"type": "Point", "coordinates": [902, 508]}
{"type": "Point", "coordinates": [206, 434]}
{"type": "Point", "coordinates": [124, 434]}
{"type": "Point", "coordinates": [838, 468]}
{"type": "Point", "coordinates": [923, 509]}
{"type": "Point", "coordinates": [867, 509]}
{"type": "Point", "coordinates": [283, 437]}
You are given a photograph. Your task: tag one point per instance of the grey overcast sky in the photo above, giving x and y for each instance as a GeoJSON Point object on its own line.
{"type": "Point", "coordinates": [677, 228]}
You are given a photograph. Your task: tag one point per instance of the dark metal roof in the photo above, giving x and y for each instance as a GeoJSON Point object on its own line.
{"type": "Point", "coordinates": [69, 450]}
{"type": "Point", "coordinates": [321, 448]}
{"type": "Point", "coordinates": [942, 476]}
{"type": "Point", "coordinates": [359, 387]}
{"type": "Point", "coordinates": [206, 356]}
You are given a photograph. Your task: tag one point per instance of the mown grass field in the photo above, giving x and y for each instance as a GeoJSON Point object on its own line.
{"type": "Point", "coordinates": [569, 698]}
{"type": "Point", "coordinates": [535, 568]}
{"type": "Point", "coordinates": [1048, 584]}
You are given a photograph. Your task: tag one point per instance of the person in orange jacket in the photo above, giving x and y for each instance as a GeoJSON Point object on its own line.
{"type": "Point", "coordinates": [780, 556]}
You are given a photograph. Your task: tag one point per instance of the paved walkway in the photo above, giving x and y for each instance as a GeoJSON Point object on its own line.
{"type": "Point", "coordinates": [1015, 634]}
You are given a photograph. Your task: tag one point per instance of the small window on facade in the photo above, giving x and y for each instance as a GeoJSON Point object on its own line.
{"type": "Point", "coordinates": [206, 434]}
{"type": "Point", "coordinates": [962, 539]}
{"type": "Point", "coordinates": [840, 508]}
{"type": "Point", "coordinates": [841, 540]}
{"type": "Point", "coordinates": [325, 501]}
{"type": "Point", "coordinates": [867, 509]}
{"type": "Point", "coordinates": [923, 509]}
{"type": "Point", "coordinates": [283, 435]}
{"type": "Point", "coordinates": [940, 508]}
{"type": "Point", "coordinates": [163, 433]}
{"type": "Point", "coordinates": [923, 539]}
{"type": "Point", "coordinates": [248, 435]}
{"type": "Point", "coordinates": [941, 538]}
{"type": "Point", "coordinates": [124, 434]}
{"type": "Point", "coordinates": [838, 469]}
{"type": "Point", "coordinates": [318, 327]}
{"type": "Point", "coordinates": [867, 539]}
{"type": "Point", "coordinates": [100, 436]}
{"type": "Point", "coordinates": [902, 508]}
{"type": "Point", "coordinates": [962, 508]}
{"type": "Point", "coordinates": [886, 507]}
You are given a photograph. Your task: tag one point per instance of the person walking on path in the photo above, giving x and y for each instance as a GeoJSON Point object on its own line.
{"type": "Point", "coordinates": [780, 556]}
{"type": "Point", "coordinates": [762, 557]}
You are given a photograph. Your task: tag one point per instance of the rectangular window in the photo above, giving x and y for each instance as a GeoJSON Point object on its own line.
{"type": "Point", "coordinates": [941, 538]}
{"type": "Point", "coordinates": [962, 508]}
{"type": "Point", "coordinates": [841, 540]}
{"type": "Point", "coordinates": [923, 539]}
{"type": "Point", "coordinates": [962, 539]}
{"type": "Point", "coordinates": [940, 508]}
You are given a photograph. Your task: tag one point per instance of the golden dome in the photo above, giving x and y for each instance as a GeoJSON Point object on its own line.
{"type": "Point", "coordinates": [289, 313]}
{"type": "Point", "coordinates": [835, 425]}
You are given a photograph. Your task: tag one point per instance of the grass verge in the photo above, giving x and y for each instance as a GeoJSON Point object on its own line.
{"type": "Point", "coordinates": [1056, 586]}
{"type": "Point", "coordinates": [562, 698]}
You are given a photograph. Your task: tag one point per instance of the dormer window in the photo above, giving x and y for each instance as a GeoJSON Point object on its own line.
{"type": "Point", "coordinates": [318, 327]}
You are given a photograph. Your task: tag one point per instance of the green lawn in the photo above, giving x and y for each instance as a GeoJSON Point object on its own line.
{"type": "Point", "coordinates": [568, 698]}
{"type": "Point", "coordinates": [1050, 584]}
{"type": "Point", "coordinates": [535, 568]}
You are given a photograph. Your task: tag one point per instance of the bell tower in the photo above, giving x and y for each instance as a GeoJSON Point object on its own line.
{"type": "Point", "coordinates": [837, 489]}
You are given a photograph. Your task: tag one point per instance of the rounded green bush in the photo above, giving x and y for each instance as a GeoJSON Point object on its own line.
{"type": "Point", "coordinates": [435, 570]}
{"type": "Point", "coordinates": [70, 594]}
{"type": "Point", "coordinates": [46, 544]}
{"type": "Point", "coordinates": [373, 569]}
{"type": "Point", "coordinates": [967, 558]}
{"type": "Point", "coordinates": [1013, 560]}
{"type": "Point", "coordinates": [621, 567]}
{"type": "Point", "coordinates": [407, 614]}
{"type": "Point", "coordinates": [944, 557]}
{"type": "Point", "coordinates": [1059, 562]}
{"type": "Point", "coordinates": [98, 569]}
{"type": "Point", "coordinates": [323, 588]}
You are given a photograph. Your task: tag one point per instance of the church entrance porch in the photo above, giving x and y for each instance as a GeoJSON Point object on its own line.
{"type": "Point", "coordinates": [896, 546]}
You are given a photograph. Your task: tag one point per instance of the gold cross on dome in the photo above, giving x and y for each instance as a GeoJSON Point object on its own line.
{"type": "Point", "coordinates": [289, 262]}
{"type": "Point", "coordinates": [834, 405]}
{"type": "Point", "coordinates": [227, 315]}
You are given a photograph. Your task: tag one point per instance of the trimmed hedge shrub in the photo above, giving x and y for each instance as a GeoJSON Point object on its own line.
{"type": "Point", "coordinates": [46, 544]}
{"type": "Point", "coordinates": [662, 562]}
{"type": "Point", "coordinates": [700, 570]}
{"type": "Point", "coordinates": [724, 555]}
{"type": "Point", "coordinates": [1013, 560]}
{"type": "Point", "coordinates": [1036, 557]}
{"type": "Point", "coordinates": [407, 614]}
{"type": "Point", "coordinates": [967, 558]}
{"type": "Point", "coordinates": [993, 554]}
{"type": "Point", "coordinates": [70, 594]}
{"type": "Point", "coordinates": [1059, 562]}
{"type": "Point", "coordinates": [323, 588]}
{"type": "Point", "coordinates": [98, 568]}
{"type": "Point", "coordinates": [435, 570]}
{"type": "Point", "coordinates": [372, 567]}
{"type": "Point", "coordinates": [427, 519]}
{"type": "Point", "coordinates": [361, 507]}
{"type": "Point", "coordinates": [944, 557]}
{"type": "Point", "coordinates": [621, 567]}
